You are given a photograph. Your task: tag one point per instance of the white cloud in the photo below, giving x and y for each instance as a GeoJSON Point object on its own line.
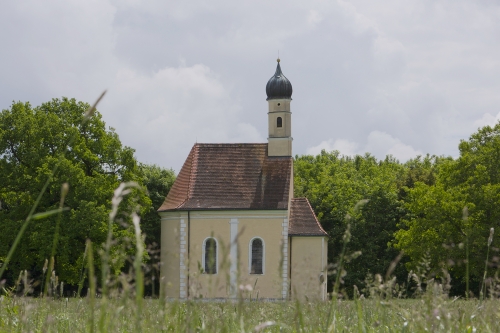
{"type": "Point", "coordinates": [487, 120]}
{"type": "Point", "coordinates": [164, 113]}
{"type": "Point", "coordinates": [379, 144]}
{"type": "Point", "coordinates": [414, 74]}
{"type": "Point", "coordinates": [345, 147]}
{"type": "Point", "coordinates": [382, 144]}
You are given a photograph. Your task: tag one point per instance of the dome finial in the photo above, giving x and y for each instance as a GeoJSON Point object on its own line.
{"type": "Point", "coordinates": [278, 60]}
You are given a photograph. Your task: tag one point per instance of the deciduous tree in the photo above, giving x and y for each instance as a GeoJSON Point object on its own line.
{"type": "Point", "coordinates": [91, 160]}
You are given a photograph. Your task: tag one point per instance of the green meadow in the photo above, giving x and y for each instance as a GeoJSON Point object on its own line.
{"type": "Point", "coordinates": [430, 313]}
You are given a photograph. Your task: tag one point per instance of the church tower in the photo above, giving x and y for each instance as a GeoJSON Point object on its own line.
{"type": "Point", "coordinates": [279, 96]}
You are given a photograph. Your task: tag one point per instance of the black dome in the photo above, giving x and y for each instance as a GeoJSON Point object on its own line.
{"type": "Point", "coordinates": [278, 86]}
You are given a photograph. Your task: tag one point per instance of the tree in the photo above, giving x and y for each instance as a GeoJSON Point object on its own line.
{"type": "Point", "coordinates": [91, 160]}
{"type": "Point", "coordinates": [158, 182]}
{"type": "Point", "coordinates": [437, 225]}
{"type": "Point", "coordinates": [367, 191]}
{"type": "Point", "coordinates": [372, 231]}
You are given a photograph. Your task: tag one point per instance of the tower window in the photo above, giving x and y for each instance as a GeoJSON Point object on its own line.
{"type": "Point", "coordinates": [256, 256]}
{"type": "Point", "coordinates": [210, 256]}
{"type": "Point", "coordinates": [279, 104]}
{"type": "Point", "coordinates": [279, 122]}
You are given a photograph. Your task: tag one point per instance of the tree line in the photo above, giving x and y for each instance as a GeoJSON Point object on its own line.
{"type": "Point", "coordinates": [438, 212]}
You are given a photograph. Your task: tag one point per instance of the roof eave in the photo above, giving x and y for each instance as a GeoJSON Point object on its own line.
{"type": "Point", "coordinates": [217, 209]}
{"type": "Point", "coordinates": [307, 235]}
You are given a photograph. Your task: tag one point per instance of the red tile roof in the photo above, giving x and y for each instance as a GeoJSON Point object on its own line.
{"type": "Point", "coordinates": [231, 176]}
{"type": "Point", "coordinates": [303, 221]}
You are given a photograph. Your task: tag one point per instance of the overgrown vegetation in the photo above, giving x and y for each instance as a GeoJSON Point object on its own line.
{"type": "Point", "coordinates": [405, 237]}
{"type": "Point", "coordinates": [429, 314]}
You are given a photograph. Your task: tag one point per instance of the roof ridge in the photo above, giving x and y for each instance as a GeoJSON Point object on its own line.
{"type": "Point", "coordinates": [188, 194]}
{"type": "Point", "coordinates": [315, 217]}
{"type": "Point", "coordinates": [194, 165]}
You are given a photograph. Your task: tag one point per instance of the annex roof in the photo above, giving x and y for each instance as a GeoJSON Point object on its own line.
{"type": "Point", "coordinates": [303, 221]}
{"type": "Point", "coordinates": [231, 176]}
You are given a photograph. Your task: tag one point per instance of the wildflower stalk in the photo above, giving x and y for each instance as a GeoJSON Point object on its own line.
{"type": "Point", "coordinates": [119, 193]}
{"type": "Point", "coordinates": [465, 214]}
{"type": "Point", "coordinates": [139, 277]}
{"type": "Point", "coordinates": [82, 274]}
{"type": "Point", "coordinates": [90, 264]}
{"type": "Point", "coordinates": [44, 270]}
{"type": "Point", "coordinates": [346, 238]}
{"type": "Point", "coordinates": [483, 287]}
{"type": "Point", "coordinates": [359, 310]}
{"type": "Point", "coordinates": [467, 267]}
{"type": "Point", "coordinates": [64, 192]}
{"type": "Point", "coordinates": [18, 282]}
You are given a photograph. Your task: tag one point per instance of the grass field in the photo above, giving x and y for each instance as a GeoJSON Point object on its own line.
{"type": "Point", "coordinates": [431, 313]}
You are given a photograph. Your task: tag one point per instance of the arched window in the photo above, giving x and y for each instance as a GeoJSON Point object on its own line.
{"type": "Point", "coordinates": [279, 122]}
{"type": "Point", "coordinates": [210, 256]}
{"type": "Point", "coordinates": [256, 256]}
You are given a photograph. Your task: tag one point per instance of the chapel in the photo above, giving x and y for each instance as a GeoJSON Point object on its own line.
{"type": "Point", "coordinates": [230, 226]}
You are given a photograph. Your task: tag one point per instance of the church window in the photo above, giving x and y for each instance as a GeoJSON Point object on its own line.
{"type": "Point", "coordinates": [279, 122]}
{"type": "Point", "coordinates": [256, 256]}
{"type": "Point", "coordinates": [210, 256]}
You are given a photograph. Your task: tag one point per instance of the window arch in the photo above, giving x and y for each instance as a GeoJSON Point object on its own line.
{"type": "Point", "coordinates": [256, 256]}
{"type": "Point", "coordinates": [210, 256]}
{"type": "Point", "coordinates": [279, 122]}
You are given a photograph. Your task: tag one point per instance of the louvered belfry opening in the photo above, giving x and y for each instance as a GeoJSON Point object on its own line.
{"type": "Point", "coordinates": [210, 256]}
{"type": "Point", "coordinates": [257, 256]}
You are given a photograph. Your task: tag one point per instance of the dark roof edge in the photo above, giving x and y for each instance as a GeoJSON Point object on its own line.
{"type": "Point", "coordinates": [230, 144]}
{"type": "Point", "coordinates": [279, 97]}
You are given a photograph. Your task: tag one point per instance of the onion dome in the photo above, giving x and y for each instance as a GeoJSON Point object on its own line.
{"type": "Point", "coordinates": [278, 86]}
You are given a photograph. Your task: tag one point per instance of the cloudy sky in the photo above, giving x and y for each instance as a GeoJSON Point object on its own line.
{"type": "Point", "coordinates": [385, 77]}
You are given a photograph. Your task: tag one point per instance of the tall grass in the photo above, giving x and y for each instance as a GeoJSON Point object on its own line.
{"type": "Point", "coordinates": [430, 313]}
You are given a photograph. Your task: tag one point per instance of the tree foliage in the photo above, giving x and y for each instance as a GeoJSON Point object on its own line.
{"type": "Point", "coordinates": [358, 191]}
{"type": "Point", "coordinates": [437, 224]}
{"type": "Point", "coordinates": [374, 197]}
{"type": "Point", "coordinates": [435, 208]}
{"type": "Point", "coordinates": [91, 160]}
{"type": "Point", "coordinates": [158, 182]}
